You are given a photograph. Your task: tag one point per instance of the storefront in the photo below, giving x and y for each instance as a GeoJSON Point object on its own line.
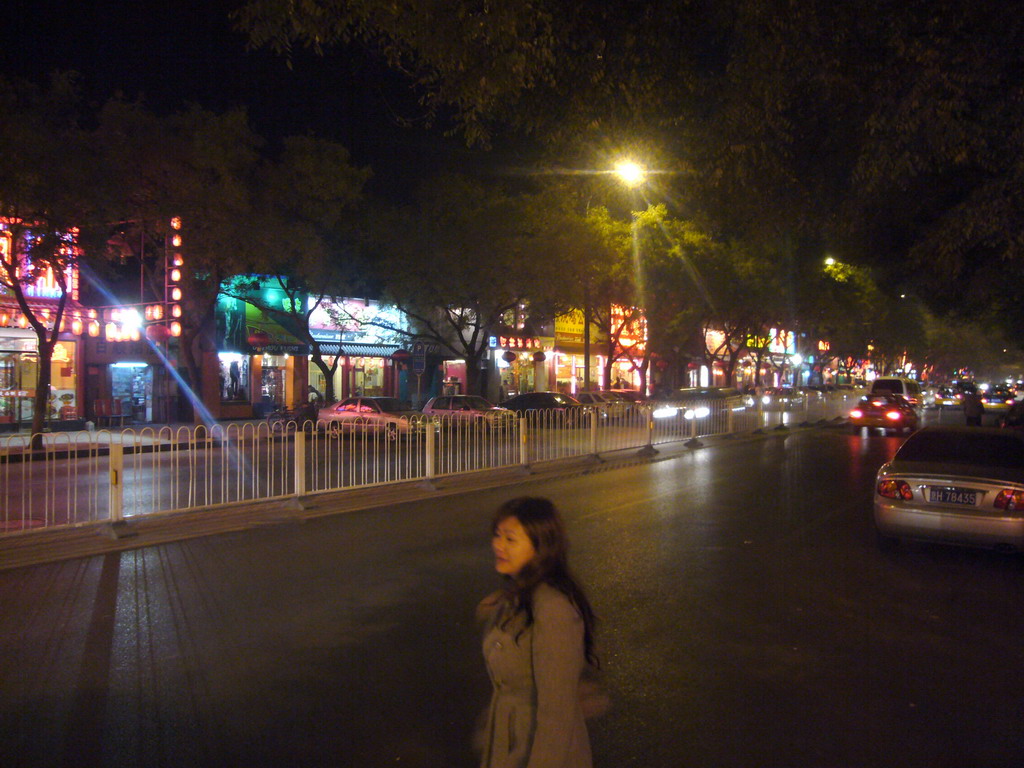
{"type": "Point", "coordinates": [523, 363]}
{"type": "Point", "coordinates": [19, 344]}
{"type": "Point", "coordinates": [357, 339]}
{"type": "Point", "coordinates": [261, 358]}
{"type": "Point", "coordinates": [19, 374]}
{"type": "Point", "coordinates": [569, 357]}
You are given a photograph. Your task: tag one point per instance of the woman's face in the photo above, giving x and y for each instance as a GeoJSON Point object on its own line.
{"type": "Point", "coordinates": [512, 547]}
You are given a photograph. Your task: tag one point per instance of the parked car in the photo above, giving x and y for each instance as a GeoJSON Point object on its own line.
{"type": "Point", "coordinates": [961, 485]}
{"type": "Point", "coordinates": [908, 388]}
{"type": "Point", "coordinates": [700, 402]}
{"type": "Point", "coordinates": [884, 411]}
{"type": "Point", "coordinates": [610, 405]}
{"type": "Point", "coordinates": [386, 415]}
{"type": "Point", "coordinates": [781, 398]}
{"type": "Point", "coordinates": [469, 409]}
{"type": "Point", "coordinates": [542, 401]}
{"type": "Point", "coordinates": [811, 394]}
{"type": "Point", "coordinates": [997, 400]}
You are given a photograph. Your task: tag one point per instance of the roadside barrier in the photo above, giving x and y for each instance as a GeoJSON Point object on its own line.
{"type": "Point", "coordinates": [83, 478]}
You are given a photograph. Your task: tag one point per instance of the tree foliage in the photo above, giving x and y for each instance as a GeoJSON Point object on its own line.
{"type": "Point", "coordinates": [889, 131]}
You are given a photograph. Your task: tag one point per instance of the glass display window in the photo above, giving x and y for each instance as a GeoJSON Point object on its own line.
{"type": "Point", "coordinates": [274, 378]}
{"type": "Point", "coordinates": [234, 377]}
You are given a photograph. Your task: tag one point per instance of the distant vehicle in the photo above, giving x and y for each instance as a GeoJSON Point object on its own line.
{"type": "Point", "coordinates": [997, 400]}
{"type": "Point", "coordinates": [909, 388]}
{"type": "Point", "coordinates": [542, 401]}
{"type": "Point", "coordinates": [885, 411]}
{"type": "Point", "coordinates": [469, 409]}
{"type": "Point", "coordinates": [386, 415]}
{"type": "Point", "coordinates": [947, 397]}
{"type": "Point", "coordinates": [779, 398]}
{"type": "Point", "coordinates": [700, 402]}
{"type": "Point", "coordinates": [610, 405]}
{"type": "Point", "coordinates": [811, 394]}
{"type": "Point", "coordinates": [958, 485]}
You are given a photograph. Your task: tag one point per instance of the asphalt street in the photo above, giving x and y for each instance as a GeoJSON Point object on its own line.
{"type": "Point", "coordinates": [746, 619]}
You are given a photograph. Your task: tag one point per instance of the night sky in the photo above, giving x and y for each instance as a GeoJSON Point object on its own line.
{"type": "Point", "coordinates": [180, 51]}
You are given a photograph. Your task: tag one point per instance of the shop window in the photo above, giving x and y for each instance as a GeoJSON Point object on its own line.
{"type": "Point", "coordinates": [234, 377]}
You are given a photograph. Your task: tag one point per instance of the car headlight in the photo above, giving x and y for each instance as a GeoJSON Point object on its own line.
{"type": "Point", "coordinates": [665, 412]}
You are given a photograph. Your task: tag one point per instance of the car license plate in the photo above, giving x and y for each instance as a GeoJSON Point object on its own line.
{"type": "Point", "coordinates": [953, 496]}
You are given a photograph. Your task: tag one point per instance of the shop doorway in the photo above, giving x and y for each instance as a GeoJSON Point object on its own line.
{"type": "Point", "coordinates": [132, 384]}
{"type": "Point", "coordinates": [18, 374]}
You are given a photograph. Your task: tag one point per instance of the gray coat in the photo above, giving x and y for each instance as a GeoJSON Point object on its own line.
{"type": "Point", "coordinates": [535, 719]}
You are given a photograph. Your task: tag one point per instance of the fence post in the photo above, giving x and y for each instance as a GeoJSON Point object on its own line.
{"type": "Point", "coordinates": [300, 462]}
{"type": "Point", "coordinates": [431, 471]}
{"type": "Point", "coordinates": [593, 432]}
{"type": "Point", "coordinates": [649, 449]}
{"type": "Point", "coordinates": [116, 483]}
{"type": "Point", "coordinates": [730, 419]}
{"type": "Point", "coordinates": [694, 441]}
{"type": "Point", "coordinates": [524, 458]}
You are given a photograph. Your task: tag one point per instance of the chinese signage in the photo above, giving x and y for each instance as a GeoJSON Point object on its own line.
{"type": "Point", "coordinates": [633, 336]}
{"type": "Point", "coordinates": [515, 342]}
{"type": "Point", "coordinates": [777, 342]}
{"type": "Point", "coordinates": [569, 328]}
{"type": "Point", "coordinates": [45, 284]}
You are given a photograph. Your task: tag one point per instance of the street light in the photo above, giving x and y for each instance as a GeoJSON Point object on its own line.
{"type": "Point", "coordinates": [632, 175]}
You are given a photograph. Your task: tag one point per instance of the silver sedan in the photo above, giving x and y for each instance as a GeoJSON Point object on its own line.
{"type": "Point", "coordinates": [958, 485]}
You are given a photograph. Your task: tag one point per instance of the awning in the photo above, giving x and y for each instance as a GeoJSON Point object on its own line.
{"type": "Point", "coordinates": [357, 349]}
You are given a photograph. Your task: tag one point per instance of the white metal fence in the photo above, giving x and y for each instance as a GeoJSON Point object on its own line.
{"type": "Point", "coordinates": [88, 477]}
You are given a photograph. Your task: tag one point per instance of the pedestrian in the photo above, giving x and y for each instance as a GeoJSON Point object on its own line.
{"type": "Point", "coordinates": [973, 407]}
{"type": "Point", "coordinates": [538, 639]}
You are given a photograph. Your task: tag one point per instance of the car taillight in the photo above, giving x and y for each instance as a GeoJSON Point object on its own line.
{"type": "Point", "coordinates": [893, 415]}
{"type": "Point", "coordinates": [895, 489]}
{"type": "Point", "coordinates": [1009, 499]}
{"type": "Point", "coordinates": [856, 413]}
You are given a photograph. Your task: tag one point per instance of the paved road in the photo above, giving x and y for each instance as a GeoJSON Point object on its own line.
{"type": "Point", "coordinates": [747, 620]}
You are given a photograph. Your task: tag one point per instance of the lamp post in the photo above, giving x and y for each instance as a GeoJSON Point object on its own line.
{"type": "Point", "coordinates": [632, 175]}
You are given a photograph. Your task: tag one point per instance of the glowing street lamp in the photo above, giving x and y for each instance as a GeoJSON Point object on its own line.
{"type": "Point", "coordinates": [631, 174]}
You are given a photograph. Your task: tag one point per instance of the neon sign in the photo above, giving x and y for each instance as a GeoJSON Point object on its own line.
{"type": "Point", "coordinates": [45, 286]}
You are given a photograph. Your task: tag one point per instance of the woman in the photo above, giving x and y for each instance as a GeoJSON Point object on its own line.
{"type": "Point", "coordinates": [538, 637]}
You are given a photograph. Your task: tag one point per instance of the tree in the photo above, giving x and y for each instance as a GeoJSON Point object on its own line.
{"type": "Point", "coordinates": [889, 129]}
{"type": "Point", "coordinates": [242, 212]}
{"type": "Point", "coordinates": [461, 258]}
{"type": "Point", "coordinates": [49, 191]}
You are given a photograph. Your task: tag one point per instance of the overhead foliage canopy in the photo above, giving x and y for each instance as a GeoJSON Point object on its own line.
{"type": "Point", "coordinates": [887, 132]}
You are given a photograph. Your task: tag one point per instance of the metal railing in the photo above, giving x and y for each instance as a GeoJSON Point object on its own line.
{"type": "Point", "coordinates": [82, 478]}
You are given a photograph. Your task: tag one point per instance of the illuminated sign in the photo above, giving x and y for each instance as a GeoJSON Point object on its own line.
{"type": "Point", "coordinates": [515, 342]}
{"type": "Point", "coordinates": [569, 327]}
{"type": "Point", "coordinates": [633, 336]}
{"type": "Point", "coordinates": [356, 320]}
{"type": "Point", "coordinates": [45, 286]}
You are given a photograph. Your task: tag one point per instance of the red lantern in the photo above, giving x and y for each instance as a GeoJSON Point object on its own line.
{"type": "Point", "coordinates": [258, 339]}
{"type": "Point", "coordinates": [539, 357]}
{"type": "Point", "coordinates": [158, 333]}
{"type": "Point", "coordinates": [508, 356]}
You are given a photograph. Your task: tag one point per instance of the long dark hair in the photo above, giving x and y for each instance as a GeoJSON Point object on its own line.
{"type": "Point", "coordinates": [550, 565]}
